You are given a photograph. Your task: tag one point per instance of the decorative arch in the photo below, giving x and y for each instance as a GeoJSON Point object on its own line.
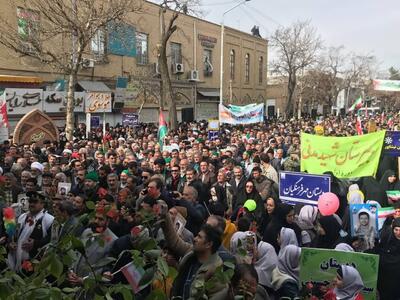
{"type": "Point", "coordinates": [36, 127]}
{"type": "Point", "coordinates": [182, 99]}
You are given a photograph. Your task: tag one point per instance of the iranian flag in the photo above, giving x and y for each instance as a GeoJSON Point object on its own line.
{"type": "Point", "coordinates": [393, 196]}
{"type": "Point", "coordinates": [162, 129]}
{"type": "Point", "coordinates": [4, 116]}
{"type": "Point", "coordinates": [133, 275]}
{"type": "Point", "coordinates": [385, 212]}
{"type": "Point", "coordinates": [357, 105]}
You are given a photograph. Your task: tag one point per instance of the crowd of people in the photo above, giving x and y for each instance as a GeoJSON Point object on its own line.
{"type": "Point", "coordinates": [214, 201]}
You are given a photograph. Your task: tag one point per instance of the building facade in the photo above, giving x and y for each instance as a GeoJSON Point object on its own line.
{"type": "Point", "coordinates": [132, 76]}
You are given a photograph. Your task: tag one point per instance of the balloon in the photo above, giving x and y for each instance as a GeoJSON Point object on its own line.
{"type": "Point", "coordinates": [328, 204]}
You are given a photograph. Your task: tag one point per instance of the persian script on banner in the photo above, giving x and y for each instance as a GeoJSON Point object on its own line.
{"type": "Point", "coordinates": [248, 114]}
{"type": "Point", "coordinates": [345, 157]}
{"type": "Point", "coordinates": [319, 267]}
{"type": "Point", "coordinates": [302, 188]}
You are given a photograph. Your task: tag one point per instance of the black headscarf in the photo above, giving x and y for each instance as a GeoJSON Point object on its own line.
{"type": "Point", "coordinates": [386, 185]}
{"type": "Point", "coordinates": [389, 265]}
{"type": "Point", "coordinates": [277, 222]}
{"type": "Point", "coordinates": [373, 191]}
{"type": "Point", "coordinates": [332, 233]}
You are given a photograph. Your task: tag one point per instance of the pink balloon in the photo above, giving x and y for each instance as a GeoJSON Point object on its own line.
{"type": "Point", "coordinates": [328, 204]}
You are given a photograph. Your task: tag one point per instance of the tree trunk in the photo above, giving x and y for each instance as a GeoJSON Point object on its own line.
{"type": "Point", "coordinates": [167, 93]}
{"type": "Point", "coordinates": [69, 124]}
{"type": "Point", "coordinates": [291, 90]}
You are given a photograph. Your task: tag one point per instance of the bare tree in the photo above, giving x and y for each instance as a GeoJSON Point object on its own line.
{"type": "Point", "coordinates": [338, 70]}
{"type": "Point", "coordinates": [297, 47]}
{"type": "Point", "coordinates": [169, 13]}
{"type": "Point", "coordinates": [60, 33]}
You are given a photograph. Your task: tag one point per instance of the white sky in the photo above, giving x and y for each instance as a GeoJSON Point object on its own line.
{"type": "Point", "coordinates": [361, 26]}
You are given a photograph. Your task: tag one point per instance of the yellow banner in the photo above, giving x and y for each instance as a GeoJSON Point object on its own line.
{"type": "Point", "coordinates": [345, 157]}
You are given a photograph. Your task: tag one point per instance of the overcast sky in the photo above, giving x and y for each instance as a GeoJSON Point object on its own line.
{"type": "Point", "coordinates": [362, 26]}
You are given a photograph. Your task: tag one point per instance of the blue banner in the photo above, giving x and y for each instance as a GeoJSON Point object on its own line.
{"type": "Point", "coordinates": [295, 188]}
{"type": "Point", "coordinates": [213, 135]}
{"type": "Point", "coordinates": [391, 143]}
{"type": "Point", "coordinates": [130, 119]}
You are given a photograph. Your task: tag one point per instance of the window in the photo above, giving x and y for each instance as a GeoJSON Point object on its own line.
{"type": "Point", "coordinates": [97, 44]}
{"type": "Point", "coordinates": [142, 57]}
{"type": "Point", "coordinates": [176, 53]}
{"type": "Point", "coordinates": [247, 68]}
{"type": "Point", "coordinates": [260, 69]}
{"type": "Point", "coordinates": [232, 64]}
{"type": "Point", "coordinates": [207, 59]}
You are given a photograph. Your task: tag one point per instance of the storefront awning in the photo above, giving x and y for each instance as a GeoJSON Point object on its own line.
{"type": "Point", "coordinates": [94, 86]}
{"type": "Point", "coordinates": [21, 79]}
{"type": "Point", "coordinates": [209, 93]}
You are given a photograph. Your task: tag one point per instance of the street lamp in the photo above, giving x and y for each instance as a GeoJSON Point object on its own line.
{"type": "Point", "coordinates": [222, 50]}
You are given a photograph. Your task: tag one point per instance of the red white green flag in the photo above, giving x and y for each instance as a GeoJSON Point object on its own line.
{"type": "Point", "coordinates": [162, 129]}
{"type": "Point", "coordinates": [357, 105]}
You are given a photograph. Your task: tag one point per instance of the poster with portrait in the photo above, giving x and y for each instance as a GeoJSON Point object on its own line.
{"type": "Point", "coordinates": [180, 223]}
{"type": "Point", "coordinates": [364, 223]}
{"type": "Point", "coordinates": [63, 188]}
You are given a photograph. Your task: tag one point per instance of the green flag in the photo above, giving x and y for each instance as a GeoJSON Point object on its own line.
{"type": "Point", "coordinates": [345, 157]}
{"type": "Point", "coordinates": [162, 129]}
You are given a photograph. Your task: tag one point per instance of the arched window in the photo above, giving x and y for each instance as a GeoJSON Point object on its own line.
{"type": "Point", "coordinates": [247, 68]}
{"type": "Point", "coordinates": [232, 64]}
{"type": "Point", "coordinates": [260, 69]}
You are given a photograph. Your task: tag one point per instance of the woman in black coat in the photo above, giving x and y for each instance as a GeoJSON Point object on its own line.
{"type": "Point", "coordinates": [328, 233]}
{"type": "Point", "coordinates": [283, 217]}
{"type": "Point", "coordinates": [389, 264]}
{"type": "Point", "coordinates": [389, 181]}
{"type": "Point", "coordinates": [373, 191]}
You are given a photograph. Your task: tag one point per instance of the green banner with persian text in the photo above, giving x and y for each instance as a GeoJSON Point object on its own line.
{"type": "Point", "coordinates": [345, 157]}
{"type": "Point", "coordinates": [319, 267]}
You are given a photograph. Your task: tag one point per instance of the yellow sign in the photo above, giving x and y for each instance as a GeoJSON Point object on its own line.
{"type": "Point", "coordinates": [346, 157]}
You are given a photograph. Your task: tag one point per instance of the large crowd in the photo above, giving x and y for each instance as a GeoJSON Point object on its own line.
{"type": "Point", "coordinates": [214, 202]}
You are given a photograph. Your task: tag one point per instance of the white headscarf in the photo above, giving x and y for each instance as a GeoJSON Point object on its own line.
{"type": "Point", "coordinates": [352, 284]}
{"type": "Point", "coordinates": [289, 261]}
{"type": "Point", "coordinates": [344, 247]}
{"type": "Point", "coordinates": [307, 216]}
{"type": "Point", "coordinates": [266, 263]}
{"type": "Point", "coordinates": [287, 237]}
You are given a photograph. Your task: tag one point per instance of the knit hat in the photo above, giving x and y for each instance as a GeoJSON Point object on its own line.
{"type": "Point", "coordinates": [38, 166]}
{"type": "Point", "coordinates": [92, 176]}
{"type": "Point", "coordinates": [250, 204]}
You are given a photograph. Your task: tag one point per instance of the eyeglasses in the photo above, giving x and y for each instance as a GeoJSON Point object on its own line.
{"type": "Point", "coordinates": [145, 177]}
{"type": "Point", "coordinates": [174, 170]}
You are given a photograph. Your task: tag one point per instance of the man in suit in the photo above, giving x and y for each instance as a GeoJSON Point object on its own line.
{"type": "Point", "coordinates": [277, 161]}
{"type": "Point", "coordinates": [238, 181]}
{"type": "Point", "coordinates": [206, 176]}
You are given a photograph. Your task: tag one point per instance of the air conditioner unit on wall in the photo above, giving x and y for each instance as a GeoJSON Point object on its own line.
{"type": "Point", "coordinates": [178, 69]}
{"type": "Point", "coordinates": [87, 63]}
{"type": "Point", "coordinates": [194, 75]}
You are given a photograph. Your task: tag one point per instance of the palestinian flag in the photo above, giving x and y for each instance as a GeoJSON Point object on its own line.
{"type": "Point", "coordinates": [357, 105]}
{"type": "Point", "coordinates": [162, 129]}
{"type": "Point", "coordinates": [385, 212]}
{"type": "Point", "coordinates": [393, 196]}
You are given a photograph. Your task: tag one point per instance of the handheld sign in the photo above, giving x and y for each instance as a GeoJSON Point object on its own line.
{"type": "Point", "coordinates": [302, 188]}
{"type": "Point", "coordinates": [319, 267]}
